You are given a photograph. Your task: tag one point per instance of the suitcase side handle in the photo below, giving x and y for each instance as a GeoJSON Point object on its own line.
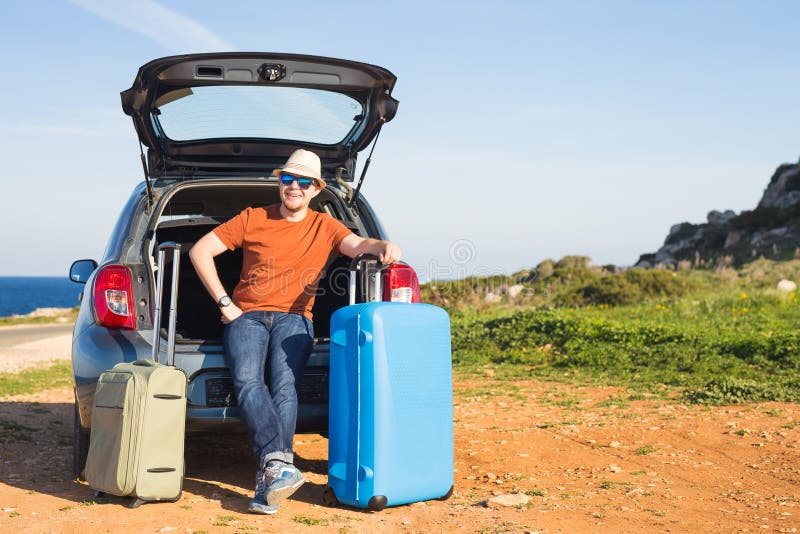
{"type": "Point", "coordinates": [144, 363]}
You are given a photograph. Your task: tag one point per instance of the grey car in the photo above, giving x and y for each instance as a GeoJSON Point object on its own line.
{"type": "Point", "coordinates": [212, 127]}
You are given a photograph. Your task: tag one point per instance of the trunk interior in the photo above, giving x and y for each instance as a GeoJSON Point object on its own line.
{"type": "Point", "coordinates": [195, 211]}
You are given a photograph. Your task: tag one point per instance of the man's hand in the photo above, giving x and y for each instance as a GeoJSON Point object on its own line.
{"type": "Point", "coordinates": [390, 253]}
{"type": "Point", "coordinates": [230, 313]}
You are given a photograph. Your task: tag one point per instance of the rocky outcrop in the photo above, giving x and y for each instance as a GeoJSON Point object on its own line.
{"type": "Point", "coordinates": [771, 230]}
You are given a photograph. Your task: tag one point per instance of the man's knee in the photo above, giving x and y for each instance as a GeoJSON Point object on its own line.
{"type": "Point", "coordinates": [243, 385]}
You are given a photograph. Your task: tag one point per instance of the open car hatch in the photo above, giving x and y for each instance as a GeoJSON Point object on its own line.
{"type": "Point", "coordinates": [201, 114]}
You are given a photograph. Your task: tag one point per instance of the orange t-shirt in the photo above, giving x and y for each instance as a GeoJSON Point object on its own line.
{"type": "Point", "coordinates": [282, 259]}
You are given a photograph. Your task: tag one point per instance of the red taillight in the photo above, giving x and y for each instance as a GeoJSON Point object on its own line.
{"type": "Point", "coordinates": [400, 284]}
{"type": "Point", "coordinates": [113, 297]}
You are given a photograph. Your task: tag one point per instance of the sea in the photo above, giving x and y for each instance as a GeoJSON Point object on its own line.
{"type": "Point", "coordinates": [23, 294]}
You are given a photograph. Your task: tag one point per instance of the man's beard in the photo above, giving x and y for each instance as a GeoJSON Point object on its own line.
{"type": "Point", "coordinates": [293, 210]}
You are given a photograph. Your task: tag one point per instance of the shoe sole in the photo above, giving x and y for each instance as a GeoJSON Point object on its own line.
{"type": "Point", "coordinates": [255, 508]}
{"type": "Point", "coordinates": [275, 496]}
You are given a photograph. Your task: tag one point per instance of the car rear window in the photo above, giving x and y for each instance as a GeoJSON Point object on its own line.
{"type": "Point", "coordinates": [286, 113]}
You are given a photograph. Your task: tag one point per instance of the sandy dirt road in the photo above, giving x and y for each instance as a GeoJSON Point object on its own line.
{"type": "Point", "coordinates": [30, 345]}
{"type": "Point", "coordinates": [567, 459]}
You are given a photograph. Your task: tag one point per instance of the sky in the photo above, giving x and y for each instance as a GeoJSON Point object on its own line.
{"type": "Point", "coordinates": [526, 130]}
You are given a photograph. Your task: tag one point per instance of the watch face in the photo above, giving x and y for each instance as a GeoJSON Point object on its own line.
{"type": "Point", "coordinates": [224, 301]}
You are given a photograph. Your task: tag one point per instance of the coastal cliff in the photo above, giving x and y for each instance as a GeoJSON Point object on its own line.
{"type": "Point", "coordinates": [771, 230]}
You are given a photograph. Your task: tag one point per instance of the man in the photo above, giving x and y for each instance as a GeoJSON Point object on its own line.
{"type": "Point", "coordinates": [268, 319]}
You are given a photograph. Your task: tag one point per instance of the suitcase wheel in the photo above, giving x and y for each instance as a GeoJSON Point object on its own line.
{"type": "Point", "coordinates": [329, 497]}
{"type": "Point", "coordinates": [377, 503]}
{"type": "Point", "coordinates": [446, 495]}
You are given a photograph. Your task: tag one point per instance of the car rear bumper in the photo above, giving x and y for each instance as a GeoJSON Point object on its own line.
{"type": "Point", "coordinates": [211, 403]}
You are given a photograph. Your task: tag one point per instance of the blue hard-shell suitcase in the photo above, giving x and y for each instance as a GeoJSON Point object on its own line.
{"type": "Point", "coordinates": [391, 405]}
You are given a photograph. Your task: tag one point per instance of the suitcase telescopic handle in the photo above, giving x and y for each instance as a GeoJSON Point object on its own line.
{"type": "Point", "coordinates": [355, 265]}
{"type": "Point", "coordinates": [176, 260]}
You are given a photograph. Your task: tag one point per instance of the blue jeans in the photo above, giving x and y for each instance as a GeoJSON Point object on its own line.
{"type": "Point", "coordinates": [281, 343]}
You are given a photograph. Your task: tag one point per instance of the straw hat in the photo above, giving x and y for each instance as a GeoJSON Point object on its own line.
{"type": "Point", "coordinates": [303, 163]}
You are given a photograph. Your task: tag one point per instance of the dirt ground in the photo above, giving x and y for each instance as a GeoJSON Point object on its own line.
{"type": "Point", "coordinates": [584, 459]}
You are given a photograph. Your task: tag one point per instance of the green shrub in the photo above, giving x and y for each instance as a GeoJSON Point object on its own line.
{"type": "Point", "coordinates": [628, 287]}
{"type": "Point", "coordinates": [544, 270]}
{"type": "Point", "coordinates": [611, 290]}
{"type": "Point", "coordinates": [721, 335]}
{"type": "Point", "coordinates": [733, 390]}
{"type": "Point", "coordinates": [690, 344]}
{"type": "Point", "coordinates": [569, 262]}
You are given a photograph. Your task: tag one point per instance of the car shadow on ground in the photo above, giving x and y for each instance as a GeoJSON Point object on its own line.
{"type": "Point", "coordinates": [36, 456]}
{"type": "Point", "coordinates": [36, 449]}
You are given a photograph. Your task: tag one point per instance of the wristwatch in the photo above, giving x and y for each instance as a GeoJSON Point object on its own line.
{"type": "Point", "coordinates": [224, 301]}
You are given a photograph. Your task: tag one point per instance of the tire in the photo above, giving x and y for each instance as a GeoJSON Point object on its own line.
{"type": "Point", "coordinates": [80, 445]}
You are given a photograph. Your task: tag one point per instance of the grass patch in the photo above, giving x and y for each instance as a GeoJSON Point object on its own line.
{"type": "Point", "coordinates": [507, 390]}
{"type": "Point", "coordinates": [498, 528]}
{"type": "Point", "coordinates": [568, 402]}
{"type": "Point", "coordinates": [11, 432]}
{"type": "Point", "coordinates": [720, 391]}
{"type": "Point", "coordinates": [646, 449]}
{"type": "Point", "coordinates": [536, 493]}
{"type": "Point", "coordinates": [311, 521]}
{"type": "Point", "coordinates": [225, 520]}
{"type": "Point", "coordinates": [655, 512]}
{"type": "Point", "coordinates": [608, 484]}
{"type": "Point", "coordinates": [68, 316]}
{"type": "Point", "coordinates": [36, 379]}
{"type": "Point", "coordinates": [613, 401]}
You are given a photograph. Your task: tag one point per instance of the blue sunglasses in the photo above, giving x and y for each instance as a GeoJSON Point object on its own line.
{"type": "Point", "coordinates": [302, 182]}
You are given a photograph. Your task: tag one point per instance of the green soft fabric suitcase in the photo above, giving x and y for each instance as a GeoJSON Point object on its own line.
{"type": "Point", "coordinates": [138, 423]}
{"type": "Point", "coordinates": [139, 416]}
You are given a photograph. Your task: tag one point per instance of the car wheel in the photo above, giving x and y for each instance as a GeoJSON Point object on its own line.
{"type": "Point", "coordinates": [80, 445]}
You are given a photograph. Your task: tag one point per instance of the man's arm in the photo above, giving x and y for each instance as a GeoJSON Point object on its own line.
{"type": "Point", "coordinates": [202, 255]}
{"type": "Point", "coordinates": [354, 245]}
